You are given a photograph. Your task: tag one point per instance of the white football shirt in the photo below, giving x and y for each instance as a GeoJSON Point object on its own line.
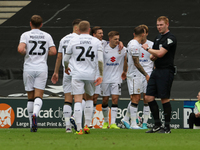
{"type": "Point", "coordinates": [113, 64]}
{"type": "Point", "coordinates": [37, 46]}
{"type": "Point", "coordinates": [145, 60]}
{"type": "Point", "coordinates": [84, 56]}
{"type": "Point", "coordinates": [133, 50]}
{"type": "Point", "coordinates": [63, 46]}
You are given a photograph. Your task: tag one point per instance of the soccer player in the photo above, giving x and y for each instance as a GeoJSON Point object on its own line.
{"type": "Point", "coordinates": [67, 108]}
{"type": "Point", "coordinates": [162, 77]}
{"type": "Point", "coordinates": [83, 52]}
{"type": "Point", "coordinates": [147, 64]}
{"type": "Point", "coordinates": [98, 33]}
{"type": "Point", "coordinates": [134, 74]}
{"type": "Point", "coordinates": [111, 85]}
{"type": "Point", "coordinates": [36, 45]}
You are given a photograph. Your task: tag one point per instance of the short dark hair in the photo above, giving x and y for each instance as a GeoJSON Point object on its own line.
{"type": "Point", "coordinates": [112, 33]}
{"type": "Point", "coordinates": [145, 27]}
{"type": "Point", "coordinates": [36, 20]}
{"type": "Point", "coordinates": [94, 29]}
{"type": "Point", "coordinates": [76, 22]}
{"type": "Point", "coordinates": [138, 30]}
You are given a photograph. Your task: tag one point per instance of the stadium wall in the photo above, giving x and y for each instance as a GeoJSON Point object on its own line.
{"type": "Point", "coordinates": [13, 113]}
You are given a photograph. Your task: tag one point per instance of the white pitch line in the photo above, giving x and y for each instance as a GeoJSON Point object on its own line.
{"type": "Point", "coordinates": [56, 13]}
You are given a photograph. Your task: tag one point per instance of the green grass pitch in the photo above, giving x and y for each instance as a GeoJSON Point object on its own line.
{"type": "Point", "coordinates": [98, 139]}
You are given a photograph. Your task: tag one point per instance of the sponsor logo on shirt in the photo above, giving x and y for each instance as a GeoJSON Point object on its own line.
{"type": "Point", "coordinates": [143, 60]}
{"type": "Point", "coordinates": [112, 64]}
{"type": "Point", "coordinates": [113, 59]}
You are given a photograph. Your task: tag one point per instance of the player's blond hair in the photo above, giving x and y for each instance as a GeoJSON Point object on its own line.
{"type": "Point", "coordinates": [36, 21]}
{"type": "Point", "coordinates": [84, 26]}
{"type": "Point", "coordinates": [164, 18]}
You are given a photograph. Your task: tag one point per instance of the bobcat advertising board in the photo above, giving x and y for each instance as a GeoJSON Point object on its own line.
{"type": "Point", "coordinates": [13, 114]}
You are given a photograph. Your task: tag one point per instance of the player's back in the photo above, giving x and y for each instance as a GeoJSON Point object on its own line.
{"type": "Point", "coordinates": [133, 50]}
{"type": "Point", "coordinates": [37, 46]}
{"type": "Point", "coordinates": [64, 44]}
{"type": "Point", "coordinates": [84, 56]}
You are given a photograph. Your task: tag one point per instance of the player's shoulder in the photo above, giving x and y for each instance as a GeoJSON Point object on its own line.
{"type": "Point", "coordinates": [171, 36]}
{"type": "Point", "coordinates": [150, 43]}
{"type": "Point", "coordinates": [133, 43]}
{"type": "Point", "coordinates": [43, 32]}
{"type": "Point", "coordinates": [27, 32]}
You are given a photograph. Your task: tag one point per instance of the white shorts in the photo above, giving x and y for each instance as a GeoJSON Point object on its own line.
{"type": "Point", "coordinates": [83, 86]}
{"type": "Point", "coordinates": [34, 79]}
{"type": "Point", "coordinates": [134, 85]}
{"type": "Point", "coordinates": [67, 86]}
{"type": "Point", "coordinates": [144, 85]}
{"type": "Point", "coordinates": [98, 89]}
{"type": "Point", "coordinates": [108, 89]}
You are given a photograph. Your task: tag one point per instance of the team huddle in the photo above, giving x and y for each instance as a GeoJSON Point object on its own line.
{"type": "Point", "coordinates": [92, 67]}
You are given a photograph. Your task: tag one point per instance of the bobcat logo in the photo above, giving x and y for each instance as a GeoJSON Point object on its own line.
{"type": "Point", "coordinates": [7, 116]}
{"type": "Point", "coordinates": [98, 118]}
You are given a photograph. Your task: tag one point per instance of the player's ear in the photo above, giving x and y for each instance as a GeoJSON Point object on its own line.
{"type": "Point", "coordinates": [41, 25]}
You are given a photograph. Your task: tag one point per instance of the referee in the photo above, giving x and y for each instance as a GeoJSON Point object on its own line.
{"type": "Point", "coordinates": [161, 79]}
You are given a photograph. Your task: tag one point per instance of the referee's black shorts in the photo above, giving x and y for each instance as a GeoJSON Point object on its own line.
{"type": "Point", "coordinates": [160, 83]}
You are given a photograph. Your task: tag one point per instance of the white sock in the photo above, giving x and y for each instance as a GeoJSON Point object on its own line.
{"type": "Point", "coordinates": [88, 112]}
{"type": "Point", "coordinates": [133, 111]}
{"type": "Point", "coordinates": [78, 115]}
{"type": "Point", "coordinates": [67, 111]}
{"type": "Point", "coordinates": [94, 109]}
{"type": "Point", "coordinates": [105, 112]}
{"type": "Point", "coordinates": [37, 106]}
{"type": "Point", "coordinates": [146, 111]}
{"type": "Point", "coordinates": [83, 105]}
{"type": "Point", "coordinates": [113, 114]}
{"type": "Point", "coordinates": [127, 115]}
{"type": "Point", "coordinates": [30, 111]}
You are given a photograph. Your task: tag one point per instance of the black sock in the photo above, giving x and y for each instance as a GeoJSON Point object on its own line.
{"type": "Point", "coordinates": [191, 120]}
{"type": "Point", "coordinates": [155, 112]}
{"type": "Point", "coordinates": [167, 113]}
